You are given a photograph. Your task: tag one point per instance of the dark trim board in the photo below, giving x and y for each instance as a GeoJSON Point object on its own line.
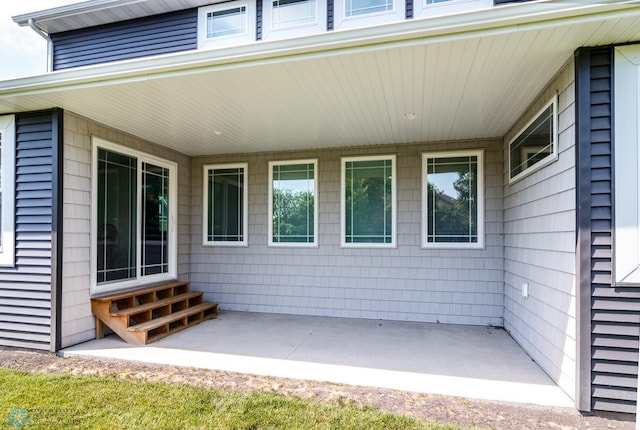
{"type": "Point", "coordinates": [57, 221]}
{"type": "Point", "coordinates": [608, 316]}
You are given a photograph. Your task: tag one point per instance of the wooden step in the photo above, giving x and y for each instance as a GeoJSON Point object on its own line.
{"type": "Point", "coordinates": [150, 313]}
{"type": "Point", "coordinates": [154, 305]}
{"type": "Point", "coordinates": [158, 328]}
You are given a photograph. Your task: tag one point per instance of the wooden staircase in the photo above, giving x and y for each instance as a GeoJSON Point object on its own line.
{"type": "Point", "coordinates": [151, 313]}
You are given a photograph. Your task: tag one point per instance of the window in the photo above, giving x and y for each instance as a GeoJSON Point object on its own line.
{"type": "Point", "coordinates": [134, 209]}
{"type": "Point", "coordinates": [626, 140]}
{"type": "Point", "coordinates": [226, 24]}
{"type": "Point", "coordinates": [368, 201]}
{"type": "Point", "coordinates": [433, 8]}
{"type": "Point", "coordinates": [292, 203]}
{"type": "Point", "coordinates": [291, 13]}
{"type": "Point", "coordinates": [291, 18]}
{"type": "Point", "coordinates": [453, 200]}
{"type": "Point", "coordinates": [7, 181]}
{"type": "Point", "coordinates": [363, 7]}
{"type": "Point", "coordinates": [225, 204]}
{"type": "Point", "coordinates": [535, 146]}
{"type": "Point", "coordinates": [361, 13]}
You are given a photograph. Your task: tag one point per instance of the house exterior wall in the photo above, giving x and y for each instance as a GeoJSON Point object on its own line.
{"type": "Point", "coordinates": [78, 324]}
{"type": "Point", "coordinates": [539, 238]}
{"type": "Point", "coordinates": [403, 283]}
{"type": "Point", "coordinates": [610, 322]}
{"type": "Point", "coordinates": [27, 290]}
{"type": "Point", "coordinates": [144, 37]}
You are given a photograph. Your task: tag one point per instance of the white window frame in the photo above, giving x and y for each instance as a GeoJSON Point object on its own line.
{"type": "Point", "coordinates": [423, 10]}
{"type": "Point", "coordinates": [141, 157]}
{"type": "Point", "coordinates": [342, 22]}
{"type": "Point", "coordinates": [271, 33]}
{"type": "Point", "coordinates": [313, 244]}
{"type": "Point", "coordinates": [626, 139]}
{"type": "Point", "coordinates": [248, 36]}
{"type": "Point", "coordinates": [245, 204]}
{"type": "Point", "coordinates": [479, 154]}
{"type": "Point", "coordinates": [8, 180]}
{"type": "Point", "coordinates": [394, 203]}
{"type": "Point", "coordinates": [553, 156]}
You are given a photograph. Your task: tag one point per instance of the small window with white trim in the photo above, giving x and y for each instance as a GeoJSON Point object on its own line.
{"type": "Point", "coordinates": [226, 24]}
{"type": "Point", "coordinates": [368, 201]}
{"type": "Point", "coordinates": [291, 18]}
{"type": "Point", "coordinates": [225, 204]}
{"type": "Point", "coordinates": [433, 8]}
{"type": "Point", "coordinates": [453, 199]}
{"type": "Point", "coordinates": [361, 13]}
{"type": "Point", "coordinates": [7, 182]}
{"type": "Point", "coordinates": [536, 145]}
{"type": "Point", "coordinates": [293, 212]}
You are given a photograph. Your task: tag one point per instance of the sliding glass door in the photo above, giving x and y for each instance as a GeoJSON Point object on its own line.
{"type": "Point", "coordinates": [134, 209]}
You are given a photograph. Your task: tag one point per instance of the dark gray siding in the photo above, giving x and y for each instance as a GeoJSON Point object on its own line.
{"type": "Point", "coordinates": [26, 313]}
{"type": "Point", "coordinates": [154, 35]}
{"type": "Point", "coordinates": [614, 313]}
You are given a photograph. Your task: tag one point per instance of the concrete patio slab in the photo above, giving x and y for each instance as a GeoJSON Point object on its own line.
{"type": "Point", "coordinates": [465, 361]}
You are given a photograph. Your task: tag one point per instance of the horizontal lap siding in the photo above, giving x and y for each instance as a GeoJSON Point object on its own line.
{"type": "Point", "coordinates": [25, 290]}
{"type": "Point", "coordinates": [615, 316]}
{"type": "Point", "coordinates": [155, 35]}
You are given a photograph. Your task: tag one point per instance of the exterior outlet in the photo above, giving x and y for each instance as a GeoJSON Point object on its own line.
{"type": "Point", "coordinates": [525, 290]}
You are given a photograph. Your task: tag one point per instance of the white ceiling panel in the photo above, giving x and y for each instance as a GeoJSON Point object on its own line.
{"type": "Point", "coordinates": [469, 86]}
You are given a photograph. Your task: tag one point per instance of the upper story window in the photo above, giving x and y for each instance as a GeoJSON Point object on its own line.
{"type": "Point", "coordinates": [291, 18]}
{"type": "Point", "coordinates": [362, 13]}
{"type": "Point", "coordinates": [226, 24]}
{"type": "Point", "coordinates": [365, 7]}
{"type": "Point", "coordinates": [431, 8]}
{"type": "Point", "coordinates": [7, 181]}
{"type": "Point", "coordinates": [535, 146]}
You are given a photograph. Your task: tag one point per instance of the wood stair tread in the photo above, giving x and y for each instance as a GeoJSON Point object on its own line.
{"type": "Point", "coordinates": [155, 304]}
{"type": "Point", "coordinates": [140, 291]}
{"type": "Point", "coordinates": [159, 322]}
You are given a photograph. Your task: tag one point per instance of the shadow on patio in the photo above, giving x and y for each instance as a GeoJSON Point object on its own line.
{"type": "Point", "coordinates": [465, 361]}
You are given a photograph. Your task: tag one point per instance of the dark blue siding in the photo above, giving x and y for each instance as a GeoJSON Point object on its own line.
{"type": "Point", "coordinates": [612, 313]}
{"type": "Point", "coordinates": [154, 35]}
{"type": "Point", "coordinates": [26, 289]}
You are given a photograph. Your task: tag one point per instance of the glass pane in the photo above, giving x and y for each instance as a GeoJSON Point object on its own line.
{"type": "Point", "coordinates": [534, 144]}
{"type": "Point", "coordinates": [289, 13]}
{"type": "Point", "coordinates": [293, 203]}
{"type": "Point", "coordinates": [226, 22]}
{"type": "Point", "coordinates": [363, 7]}
{"type": "Point", "coordinates": [452, 194]}
{"type": "Point", "coordinates": [368, 201]}
{"type": "Point", "coordinates": [117, 177]}
{"type": "Point", "coordinates": [436, 1]}
{"type": "Point", "coordinates": [155, 219]}
{"type": "Point", "coordinates": [225, 211]}
{"type": "Point", "coordinates": [1, 146]}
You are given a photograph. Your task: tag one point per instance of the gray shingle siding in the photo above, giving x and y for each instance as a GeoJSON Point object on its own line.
{"type": "Point", "coordinates": [154, 35]}
{"type": "Point", "coordinates": [614, 325]}
{"type": "Point", "coordinates": [26, 289]}
{"type": "Point", "coordinates": [405, 283]}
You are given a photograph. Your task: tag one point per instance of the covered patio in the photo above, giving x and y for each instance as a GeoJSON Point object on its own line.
{"type": "Point", "coordinates": [465, 361]}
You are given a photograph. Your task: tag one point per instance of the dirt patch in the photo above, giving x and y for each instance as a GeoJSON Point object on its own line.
{"type": "Point", "coordinates": [426, 407]}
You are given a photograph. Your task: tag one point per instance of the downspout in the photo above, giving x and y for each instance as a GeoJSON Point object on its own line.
{"type": "Point", "coordinates": [46, 37]}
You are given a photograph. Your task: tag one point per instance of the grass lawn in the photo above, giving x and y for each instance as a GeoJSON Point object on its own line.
{"type": "Point", "coordinates": [49, 402]}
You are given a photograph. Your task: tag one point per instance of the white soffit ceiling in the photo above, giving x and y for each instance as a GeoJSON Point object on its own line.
{"type": "Point", "coordinates": [463, 88]}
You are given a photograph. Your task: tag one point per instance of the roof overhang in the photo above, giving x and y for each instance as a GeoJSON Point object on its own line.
{"type": "Point", "coordinates": [466, 76]}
